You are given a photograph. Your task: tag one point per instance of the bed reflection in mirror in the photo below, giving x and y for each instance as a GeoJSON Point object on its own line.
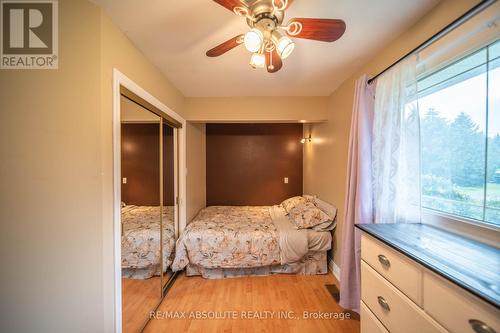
{"type": "Point", "coordinates": [147, 212]}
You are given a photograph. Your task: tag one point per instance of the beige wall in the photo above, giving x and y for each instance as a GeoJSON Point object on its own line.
{"type": "Point", "coordinates": [56, 176]}
{"type": "Point", "coordinates": [273, 109]}
{"type": "Point", "coordinates": [118, 52]}
{"type": "Point", "coordinates": [196, 170]}
{"type": "Point", "coordinates": [325, 160]}
{"type": "Point", "coordinates": [50, 176]}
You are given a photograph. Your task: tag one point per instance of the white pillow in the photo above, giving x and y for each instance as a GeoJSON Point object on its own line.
{"type": "Point", "coordinates": [307, 215]}
{"type": "Point", "coordinates": [292, 202]}
{"type": "Point", "coordinates": [330, 210]}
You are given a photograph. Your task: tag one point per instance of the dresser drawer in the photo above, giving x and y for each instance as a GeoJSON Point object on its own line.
{"type": "Point", "coordinates": [403, 273]}
{"type": "Point", "coordinates": [370, 323]}
{"type": "Point", "coordinates": [453, 307]}
{"type": "Point", "coordinates": [394, 310]}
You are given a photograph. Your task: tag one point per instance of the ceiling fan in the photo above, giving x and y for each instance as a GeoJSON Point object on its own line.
{"type": "Point", "coordinates": [269, 39]}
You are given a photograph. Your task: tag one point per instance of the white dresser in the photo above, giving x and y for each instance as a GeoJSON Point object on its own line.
{"type": "Point", "coordinates": [400, 295]}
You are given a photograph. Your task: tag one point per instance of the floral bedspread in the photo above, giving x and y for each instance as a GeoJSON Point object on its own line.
{"type": "Point", "coordinates": [229, 237]}
{"type": "Point", "coordinates": [141, 236]}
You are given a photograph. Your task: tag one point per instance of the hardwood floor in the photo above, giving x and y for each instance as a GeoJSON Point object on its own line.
{"type": "Point", "coordinates": [235, 301]}
{"type": "Point", "coordinates": [139, 297]}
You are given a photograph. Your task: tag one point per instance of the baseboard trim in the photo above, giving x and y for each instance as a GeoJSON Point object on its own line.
{"type": "Point", "coordinates": [332, 266]}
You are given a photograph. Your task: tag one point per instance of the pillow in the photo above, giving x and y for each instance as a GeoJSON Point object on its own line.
{"type": "Point", "coordinates": [307, 215]}
{"type": "Point", "coordinates": [330, 211]}
{"type": "Point", "coordinates": [290, 203]}
{"type": "Point", "coordinates": [326, 226]}
{"type": "Point", "coordinates": [309, 197]}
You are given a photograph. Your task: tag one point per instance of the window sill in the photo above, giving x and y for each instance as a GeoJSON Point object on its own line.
{"type": "Point", "coordinates": [482, 232]}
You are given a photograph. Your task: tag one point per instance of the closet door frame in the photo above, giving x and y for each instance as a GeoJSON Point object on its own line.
{"type": "Point", "coordinates": [175, 131]}
{"type": "Point", "coordinates": [176, 183]}
{"type": "Point", "coordinates": [122, 83]}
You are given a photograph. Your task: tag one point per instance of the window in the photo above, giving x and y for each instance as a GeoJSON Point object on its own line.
{"type": "Point", "coordinates": [460, 137]}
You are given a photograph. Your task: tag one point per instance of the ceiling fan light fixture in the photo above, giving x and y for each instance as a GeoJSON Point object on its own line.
{"type": "Point", "coordinates": [285, 47]}
{"type": "Point", "coordinates": [258, 60]}
{"type": "Point", "coordinates": [253, 40]}
{"type": "Point", "coordinates": [269, 41]}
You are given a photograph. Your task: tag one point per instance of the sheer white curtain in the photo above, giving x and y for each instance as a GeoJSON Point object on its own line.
{"type": "Point", "coordinates": [383, 172]}
{"type": "Point", "coordinates": [396, 146]}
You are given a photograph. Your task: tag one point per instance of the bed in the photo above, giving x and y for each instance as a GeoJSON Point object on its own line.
{"type": "Point", "coordinates": [230, 241]}
{"type": "Point", "coordinates": [141, 240]}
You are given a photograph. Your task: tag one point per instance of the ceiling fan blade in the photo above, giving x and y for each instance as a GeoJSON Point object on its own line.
{"type": "Point", "coordinates": [324, 30]}
{"type": "Point", "coordinates": [230, 4]}
{"type": "Point", "coordinates": [273, 61]}
{"type": "Point", "coordinates": [226, 46]}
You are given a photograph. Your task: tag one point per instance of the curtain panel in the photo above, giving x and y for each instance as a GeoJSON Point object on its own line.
{"type": "Point", "coordinates": [359, 194]}
{"type": "Point", "coordinates": [383, 171]}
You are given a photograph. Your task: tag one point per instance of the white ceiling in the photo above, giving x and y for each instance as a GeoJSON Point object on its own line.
{"type": "Point", "coordinates": [174, 35]}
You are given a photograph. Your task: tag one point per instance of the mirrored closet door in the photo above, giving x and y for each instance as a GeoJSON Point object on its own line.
{"type": "Point", "coordinates": [169, 208]}
{"type": "Point", "coordinates": [148, 212]}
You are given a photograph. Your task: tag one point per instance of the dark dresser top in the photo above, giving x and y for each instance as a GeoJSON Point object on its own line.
{"type": "Point", "coordinates": [471, 265]}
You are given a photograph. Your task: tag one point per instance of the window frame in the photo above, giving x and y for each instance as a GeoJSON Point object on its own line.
{"type": "Point", "coordinates": [475, 229]}
{"type": "Point", "coordinates": [480, 230]}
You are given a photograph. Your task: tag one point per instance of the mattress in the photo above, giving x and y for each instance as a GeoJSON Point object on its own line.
{"type": "Point", "coordinates": [244, 237]}
{"type": "Point", "coordinates": [141, 240]}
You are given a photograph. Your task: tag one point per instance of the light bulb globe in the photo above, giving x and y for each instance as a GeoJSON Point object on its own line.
{"type": "Point", "coordinates": [258, 60]}
{"type": "Point", "coordinates": [285, 47]}
{"type": "Point", "coordinates": [253, 40]}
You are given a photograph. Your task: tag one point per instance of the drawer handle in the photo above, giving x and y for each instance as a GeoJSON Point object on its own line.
{"type": "Point", "coordinates": [384, 261]}
{"type": "Point", "coordinates": [383, 303]}
{"type": "Point", "coordinates": [479, 327]}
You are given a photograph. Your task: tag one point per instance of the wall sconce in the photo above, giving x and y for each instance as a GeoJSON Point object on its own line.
{"type": "Point", "coordinates": [306, 140]}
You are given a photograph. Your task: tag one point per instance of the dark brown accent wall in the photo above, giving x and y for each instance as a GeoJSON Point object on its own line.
{"type": "Point", "coordinates": [247, 163]}
{"type": "Point", "coordinates": [140, 164]}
